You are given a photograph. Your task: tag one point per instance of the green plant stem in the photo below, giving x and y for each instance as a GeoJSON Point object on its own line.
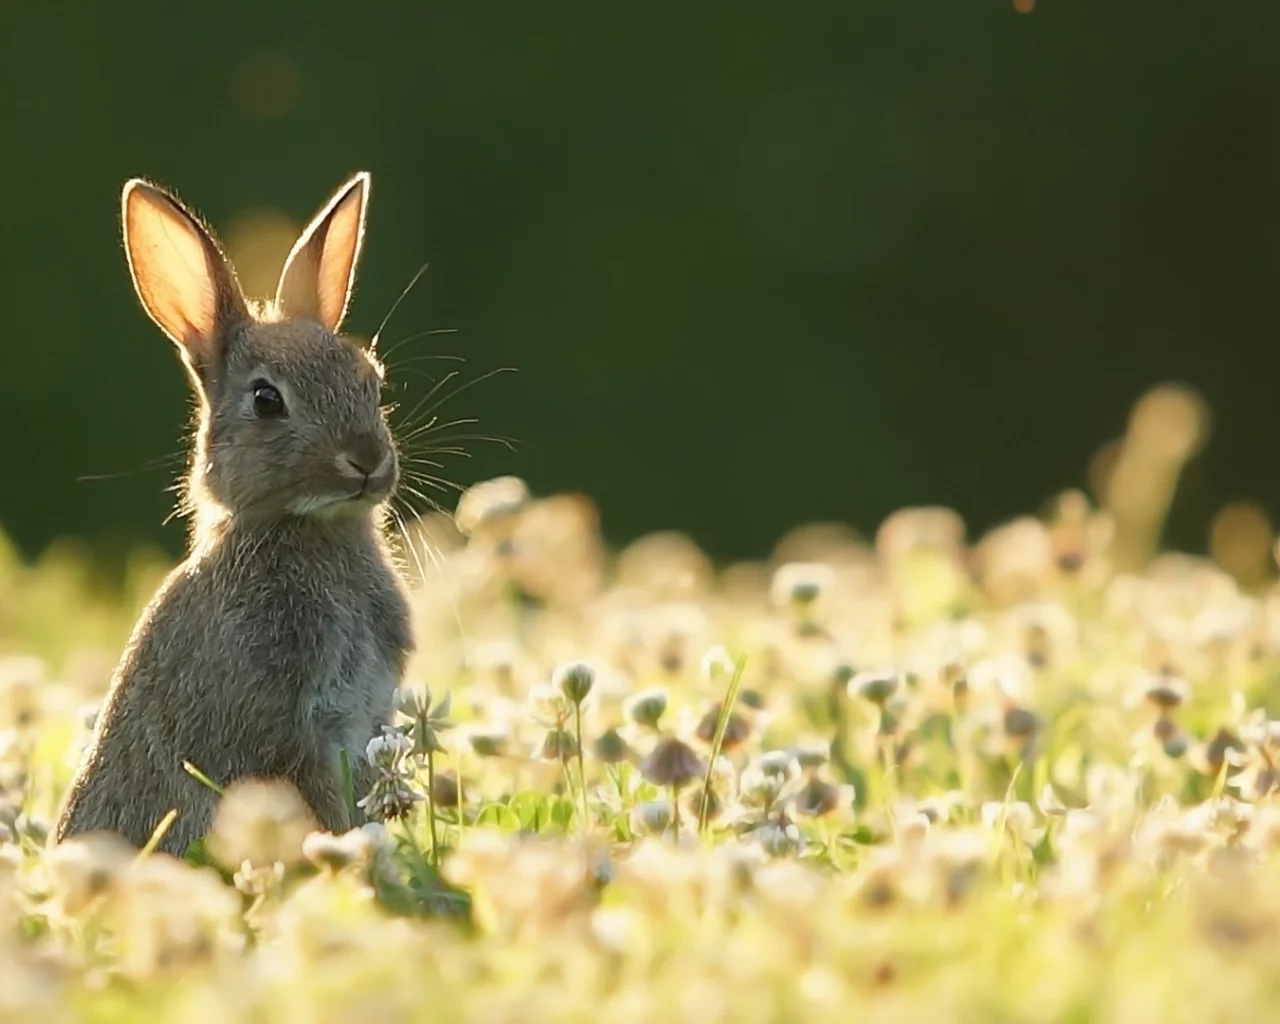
{"type": "Point", "coordinates": [675, 812]}
{"type": "Point", "coordinates": [582, 768]}
{"type": "Point", "coordinates": [431, 808]}
{"type": "Point", "coordinates": [348, 783]}
{"type": "Point", "coordinates": [462, 799]}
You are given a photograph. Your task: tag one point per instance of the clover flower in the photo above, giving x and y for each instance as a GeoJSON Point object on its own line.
{"type": "Point", "coordinates": [428, 721]}
{"type": "Point", "coordinates": [672, 762]}
{"type": "Point", "coordinates": [391, 796]}
{"type": "Point", "coordinates": [574, 680]}
{"type": "Point", "coordinates": [260, 822]}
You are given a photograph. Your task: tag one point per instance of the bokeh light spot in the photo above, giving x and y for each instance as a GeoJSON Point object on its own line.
{"type": "Point", "coordinates": [1170, 422]}
{"type": "Point", "coordinates": [267, 85]}
{"type": "Point", "coordinates": [1240, 541]}
{"type": "Point", "coordinates": [258, 242]}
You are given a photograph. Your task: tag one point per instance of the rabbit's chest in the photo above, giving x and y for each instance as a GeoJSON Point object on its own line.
{"type": "Point", "coordinates": [352, 691]}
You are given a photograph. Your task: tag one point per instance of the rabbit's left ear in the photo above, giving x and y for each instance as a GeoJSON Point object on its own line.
{"type": "Point", "coordinates": [320, 272]}
{"type": "Point", "coordinates": [185, 283]}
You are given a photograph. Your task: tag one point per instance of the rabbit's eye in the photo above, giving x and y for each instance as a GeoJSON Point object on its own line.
{"type": "Point", "coordinates": [267, 401]}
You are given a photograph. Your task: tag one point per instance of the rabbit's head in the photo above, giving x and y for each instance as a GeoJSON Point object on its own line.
{"type": "Point", "coordinates": [290, 419]}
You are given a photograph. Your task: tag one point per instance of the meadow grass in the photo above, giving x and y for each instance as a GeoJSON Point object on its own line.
{"type": "Point", "coordinates": [906, 777]}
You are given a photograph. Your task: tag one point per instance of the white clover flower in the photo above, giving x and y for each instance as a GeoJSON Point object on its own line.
{"type": "Point", "coordinates": [387, 751]}
{"type": "Point", "coordinates": [717, 665]}
{"type": "Point", "coordinates": [489, 502]}
{"type": "Point", "coordinates": [260, 822]}
{"type": "Point", "coordinates": [800, 584]}
{"type": "Point", "coordinates": [549, 705]}
{"type": "Point", "coordinates": [779, 840]}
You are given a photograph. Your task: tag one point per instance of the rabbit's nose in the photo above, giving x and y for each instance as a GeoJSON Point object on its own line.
{"type": "Point", "coordinates": [364, 457]}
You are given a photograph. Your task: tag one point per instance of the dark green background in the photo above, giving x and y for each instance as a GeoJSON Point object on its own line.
{"type": "Point", "coordinates": [756, 263]}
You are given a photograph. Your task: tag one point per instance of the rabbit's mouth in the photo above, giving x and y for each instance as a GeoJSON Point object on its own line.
{"type": "Point", "coordinates": [357, 502]}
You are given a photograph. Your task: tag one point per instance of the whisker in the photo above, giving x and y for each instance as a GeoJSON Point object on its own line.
{"type": "Point", "coordinates": [416, 371]}
{"type": "Point", "coordinates": [439, 484]}
{"type": "Point", "coordinates": [416, 463]}
{"type": "Point", "coordinates": [408, 542]}
{"type": "Point", "coordinates": [425, 433]}
{"type": "Point", "coordinates": [436, 561]}
{"type": "Point", "coordinates": [373, 344]}
{"type": "Point", "coordinates": [423, 357]}
{"type": "Point", "coordinates": [419, 457]}
{"type": "Point", "coordinates": [433, 424]}
{"type": "Point", "coordinates": [425, 334]}
{"type": "Point", "coordinates": [427, 397]}
{"type": "Point", "coordinates": [159, 462]}
{"type": "Point", "coordinates": [507, 442]}
{"type": "Point", "coordinates": [462, 387]}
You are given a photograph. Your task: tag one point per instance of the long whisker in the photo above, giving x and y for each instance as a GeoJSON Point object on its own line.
{"type": "Point", "coordinates": [415, 370]}
{"type": "Point", "coordinates": [415, 463]}
{"type": "Point", "coordinates": [159, 462]}
{"type": "Point", "coordinates": [420, 459]}
{"type": "Point", "coordinates": [423, 334]}
{"type": "Point", "coordinates": [436, 561]}
{"type": "Point", "coordinates": [408, 543]}
{"type": "Point", "coordinates": [428, 396]}
{"type": "Point", "coordinates": [423, 356]}
{"type": "Point", "coordinates": [431, 427]}
{"type": "Point", "coordinates": [373, 344]}
{"type": "Point", "coordinates": [436, 482]}
{"type": "Point", "coordinates": [507, 442]}
{"type": "Point", "coordinates": [460, 388]}
{"type": "Point", "coordinates": [434, 424]}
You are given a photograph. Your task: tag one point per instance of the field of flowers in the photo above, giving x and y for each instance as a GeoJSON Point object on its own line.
{"type": "Point", "coordinates": [908, 776]}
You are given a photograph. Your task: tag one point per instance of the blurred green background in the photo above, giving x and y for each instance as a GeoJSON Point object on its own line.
{"type": "Point", "coordinates": [756, 264]}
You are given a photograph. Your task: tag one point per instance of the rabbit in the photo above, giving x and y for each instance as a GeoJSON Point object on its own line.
{"type": "Point", "coordinates": [282, 638]}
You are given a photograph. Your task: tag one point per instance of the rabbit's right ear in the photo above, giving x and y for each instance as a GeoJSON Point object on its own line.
{"type": "Point", "coordinates": [320, 272]}
{"type": "Point", "coordinates": [181, 276]}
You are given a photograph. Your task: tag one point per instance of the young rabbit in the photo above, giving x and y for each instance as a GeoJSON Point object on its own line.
{"type": "Point", "coordinates": [281, 640]}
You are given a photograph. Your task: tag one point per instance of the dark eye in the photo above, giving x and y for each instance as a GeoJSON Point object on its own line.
{"type": "Point", "coordinates": [267, 401]}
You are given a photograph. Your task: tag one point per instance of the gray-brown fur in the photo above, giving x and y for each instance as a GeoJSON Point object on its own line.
{"type": "Point", "coordinates": [280, 640]}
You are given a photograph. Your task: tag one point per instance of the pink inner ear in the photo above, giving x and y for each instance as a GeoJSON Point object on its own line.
{"type": "Point", "coordinates": [319, 273]}
{"type": "Point", "coordinates": [341, 246]}
{"type": "Point", "coordinates": [169, 262]}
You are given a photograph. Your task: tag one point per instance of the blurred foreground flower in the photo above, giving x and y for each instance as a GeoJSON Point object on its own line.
{"type": "Point", "coordinates": [260, 822]}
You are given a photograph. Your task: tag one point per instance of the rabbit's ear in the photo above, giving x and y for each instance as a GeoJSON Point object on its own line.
{"type": "Point", "coordinates": [181, 276]}
{"type": "Point", "coordinates": [320, 271]}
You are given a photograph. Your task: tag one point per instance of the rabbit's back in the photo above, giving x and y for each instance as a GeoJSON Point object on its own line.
{"type": "Point", "coordinates": [262, 655]}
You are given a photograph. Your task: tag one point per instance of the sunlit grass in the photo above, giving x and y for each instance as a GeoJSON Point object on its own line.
{"type": "Point", "coordinates": [910, 778]}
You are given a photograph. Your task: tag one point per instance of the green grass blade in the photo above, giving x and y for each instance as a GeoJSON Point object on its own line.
{"type": "Point", "coordinates": [348, 782]}
{"type": "Point", "coordinates": [157, 836]}
{"type": "Point", "coordinates": [722, 726]}
{"type": "Point", "coordinates": [200, 776]}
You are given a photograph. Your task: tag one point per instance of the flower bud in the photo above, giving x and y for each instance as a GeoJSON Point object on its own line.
{"type": "Point", "coordinates": [876, 687]}
{"type": "Point", "coordinates": [653, 817]}
{"type": "Point", "coordinates": [717, 665]}
{"type": "Point", "coordinates": [778, 841]}
{"type": "Point", "coordinates": [574, 680]}
{"type": "Point", "coordinates": [671, 763]}
{"type": "Point", "coordinates": [647, 708]}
